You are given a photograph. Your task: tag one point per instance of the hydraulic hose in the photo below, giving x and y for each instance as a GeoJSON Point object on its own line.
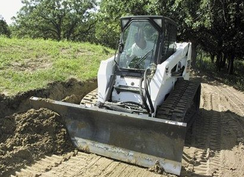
{"type": "Point", "coordinates": [144, 101]}
{"type": "Point", "coordinates": [146, 81]}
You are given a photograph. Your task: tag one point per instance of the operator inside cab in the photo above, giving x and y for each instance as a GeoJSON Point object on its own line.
{"type": "Point", "coordinates": [140, 45]}
{"type": "Point", "coordinates": [140, 51]}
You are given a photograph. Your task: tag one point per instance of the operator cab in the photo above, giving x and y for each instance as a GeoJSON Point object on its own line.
{"type": "Point", "coordinates": [145, 40]}
{"type": "Point", "coordinates": [140, 41]}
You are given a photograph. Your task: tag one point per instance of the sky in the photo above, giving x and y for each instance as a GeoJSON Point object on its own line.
{"type": "Point", "coordinates": [9, 8]}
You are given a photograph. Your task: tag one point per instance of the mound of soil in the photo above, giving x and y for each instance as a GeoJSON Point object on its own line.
{"type": "Point", "coordinates": [26, 137]}
{"type": "Point", "coordinates": [57, 90]}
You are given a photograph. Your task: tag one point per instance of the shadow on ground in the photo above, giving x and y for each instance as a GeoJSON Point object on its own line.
{"type": "Point", "coordinates": [211, 133]}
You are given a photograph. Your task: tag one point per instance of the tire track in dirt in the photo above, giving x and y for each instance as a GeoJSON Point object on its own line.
{"type": "Point", "coordinates": [215, 159]}
{"type": "Point", "coordinates": [233, 134]}
{"type": "Point", "coordinates": [238, 95]}
{"type": "Point", "coordinates": [205, 141]}
{"type": "Point", "coordinates": [231, 108]}
{"type": "Point", "coordinates": [82, 164]}
{"type": "Point", "coordinates": [216, 146]}
{"type": "Point", "coordinates": [232, 117]}
{"type": "Point", "coordinates": [233, 99]}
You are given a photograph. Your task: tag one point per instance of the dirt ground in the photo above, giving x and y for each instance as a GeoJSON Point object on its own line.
{"type": "Point", "coordinates": [27, 137]}
{"type": "Point", "coordinates": [35, 142]}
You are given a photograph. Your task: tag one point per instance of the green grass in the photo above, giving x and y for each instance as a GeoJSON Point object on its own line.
{"type": "Point", "coordinates": [236, 80]}
{"type": "Point", "coordinates": [27, 64]}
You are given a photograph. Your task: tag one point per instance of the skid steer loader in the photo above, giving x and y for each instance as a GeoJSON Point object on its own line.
{"type": "Point", "coordinates": [144, 102]}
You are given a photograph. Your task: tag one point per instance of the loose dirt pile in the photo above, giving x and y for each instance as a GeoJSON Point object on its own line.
{"type": "Point", "coordinates": [26, 137]}
{"type": "Point", "coordinates": [27, 134]}
{"type": "Point", "coordinates": [71, 90]}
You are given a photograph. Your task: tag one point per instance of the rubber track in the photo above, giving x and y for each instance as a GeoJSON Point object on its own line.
{"type": "Point", "coordinates": [178, 106]}
{"type": "Point", "coordinates": [90, 99]}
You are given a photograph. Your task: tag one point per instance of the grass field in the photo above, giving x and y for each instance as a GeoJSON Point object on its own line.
{"type": "Point", "coordinates": [28, 64]}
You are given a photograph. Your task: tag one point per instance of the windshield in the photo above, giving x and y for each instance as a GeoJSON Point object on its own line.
{"type": "Point", "coordinates": [140, 40]}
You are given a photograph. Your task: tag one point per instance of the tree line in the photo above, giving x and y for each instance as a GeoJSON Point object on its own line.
{"type": "Point", "coordinates": [215, 26]}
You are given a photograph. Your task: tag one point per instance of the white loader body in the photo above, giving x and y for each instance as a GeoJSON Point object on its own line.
{"type": "Point", "coordinates": [144, 103]}
{"type": "Point", "coordinates": [160, 85]}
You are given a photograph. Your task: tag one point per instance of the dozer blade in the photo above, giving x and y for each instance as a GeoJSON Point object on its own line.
{"type": "Point", "coordinates": [131, 138]}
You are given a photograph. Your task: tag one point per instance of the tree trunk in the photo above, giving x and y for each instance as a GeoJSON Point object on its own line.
{"type": "Point", "coordinates": [231, 64]}
{"type": "Point", "coordinates": [194, 54]}
{"type": "Point", "coordinates": [212, 58]}
{"type": "Point", "coordinates": [223, 61]}
{"type": "Point", "coordinates": [219, 53]}
{"type": "Point", "coordinates": [218, 61]}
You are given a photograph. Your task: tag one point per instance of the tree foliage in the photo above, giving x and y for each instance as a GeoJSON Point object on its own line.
{"type": "Point", "coordinates": [4, 28]}
{"type": "Point", "coordinates": [55, 19]}
{"type": "Point", "coordinates": [224, 38]}
{"type": "Point", "coordinates": [215, 26]}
